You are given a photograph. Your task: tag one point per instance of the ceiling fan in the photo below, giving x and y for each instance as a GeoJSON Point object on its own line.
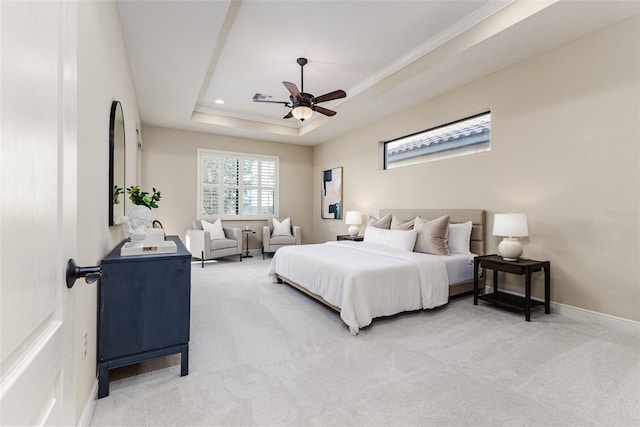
{"type": "Point", "coordinates": [303, 104]}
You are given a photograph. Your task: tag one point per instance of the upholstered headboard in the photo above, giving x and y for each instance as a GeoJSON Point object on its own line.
{"type": "Point", "coordinates": [476, 216]}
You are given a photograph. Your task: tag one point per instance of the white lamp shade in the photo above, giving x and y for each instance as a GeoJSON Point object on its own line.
{"type": "Point", "coordinates": [302, 112]}
{"type": "Point", "coordinates": [510, 225]}
{"type": "Point", "coordinates": [353, 217]}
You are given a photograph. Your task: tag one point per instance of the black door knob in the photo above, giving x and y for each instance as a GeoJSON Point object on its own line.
{"type": "Point", "coordinates": [90, 274]}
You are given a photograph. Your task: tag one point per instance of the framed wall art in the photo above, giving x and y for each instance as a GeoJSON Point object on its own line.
{"type": "Point", "coordinates": [331, 196]}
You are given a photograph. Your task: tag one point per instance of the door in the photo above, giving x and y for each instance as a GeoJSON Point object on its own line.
{"type": "Point", "coordinates": [37, 212]}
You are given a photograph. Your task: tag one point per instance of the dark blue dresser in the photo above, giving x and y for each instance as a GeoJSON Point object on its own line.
{"type": "Point", "coordinates": [143, 309]}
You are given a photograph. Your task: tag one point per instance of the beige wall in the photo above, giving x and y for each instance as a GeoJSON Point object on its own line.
{"type": "Point", "coordinates": [103, 76]}
{"type": "Point", "coordinates": [169, 163]}
{"type": "Point", "coordinates": [565, 151]}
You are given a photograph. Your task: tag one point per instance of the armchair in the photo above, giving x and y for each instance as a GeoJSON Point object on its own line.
{"type": "Point", "coordinates": [270, 243]}
{"type": "Point", "coordinates": [201, 245]}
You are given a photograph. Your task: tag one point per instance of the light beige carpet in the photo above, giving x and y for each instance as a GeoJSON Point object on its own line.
{"type": "Point", "coordinates": [265, 354]}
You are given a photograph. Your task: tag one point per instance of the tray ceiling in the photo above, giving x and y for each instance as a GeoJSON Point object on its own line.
{"type": "Point", "coordinates": [387, 56]}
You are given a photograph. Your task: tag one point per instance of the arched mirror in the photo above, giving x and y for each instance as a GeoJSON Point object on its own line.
{"type": "Point", "coordinates": [116, 163]}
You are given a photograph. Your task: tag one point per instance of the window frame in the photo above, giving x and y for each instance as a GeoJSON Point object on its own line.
{"type": "Point", "coordinates": [240, 157]}
{"type": "Point", "coordinates": [433, 152]}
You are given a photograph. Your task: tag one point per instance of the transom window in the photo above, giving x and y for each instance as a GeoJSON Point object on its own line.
{"type": "Point", "coordinates": [466, 136]}
{"type": "Point", "coordinates": [237, 186]}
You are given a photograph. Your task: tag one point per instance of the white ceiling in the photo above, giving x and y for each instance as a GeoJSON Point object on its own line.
{"type": "Point", "coordinates": [387, 55]}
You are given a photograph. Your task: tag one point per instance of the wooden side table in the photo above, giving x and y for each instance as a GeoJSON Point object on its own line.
{"type": "Point", "coordinates": [349, 237]}
{"type": "Point", "coordinates": [522, 267]}
{"type": "Point", "coordinates": [246, 234]}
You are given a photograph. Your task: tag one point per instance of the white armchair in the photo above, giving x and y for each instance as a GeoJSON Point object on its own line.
{"type": "Point", "coordinates": [270, 243]}
{"type": "Point", "coordinates": [201, 246]}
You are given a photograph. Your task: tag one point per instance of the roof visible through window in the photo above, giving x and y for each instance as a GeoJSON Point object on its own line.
{"type": "Point", "coordinates": [465, 136]}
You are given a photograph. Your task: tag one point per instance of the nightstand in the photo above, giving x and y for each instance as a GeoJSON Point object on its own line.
{"type": "Point", "coordinates": [522, 267]}
{"type": "Point", "coordinates": [352, 238]}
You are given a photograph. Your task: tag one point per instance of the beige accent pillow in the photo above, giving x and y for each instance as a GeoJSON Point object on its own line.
{"type": "Point", "coordinates": [400, 224]}
{"type": "Point", "coordinates": [215, 229]}
{"type": "Point", "coordinates": [432, 235]}
{"type": "Point", "coordinates": [384, 222]}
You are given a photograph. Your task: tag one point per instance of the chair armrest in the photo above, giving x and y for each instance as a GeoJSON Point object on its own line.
{"type": "Point", "coordinates": [266, 238]}
{"type": "Point", "coordinates": [196, 242]}
{"type": "Point", "coordinates": [297, 233]}
{"type": "Point", "coordinates": [234, 233]}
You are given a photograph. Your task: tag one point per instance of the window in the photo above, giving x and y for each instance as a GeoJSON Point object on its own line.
{"type": "Point", "coordinates": [466, 136]}
{"type": "Point", "coordinates": [237, 186]}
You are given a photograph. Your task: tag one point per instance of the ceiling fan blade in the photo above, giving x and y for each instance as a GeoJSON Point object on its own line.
{"type": "Point", "coordinates": [272, 102]}
{"type": "Point", "coordinates": [292, 88]}
{"type": "Point", "coordinates": [288, 116]}
{"type": "Point", "coordinates": [323, 110]}
{"type": "Point", "coordinates": [336, 94]}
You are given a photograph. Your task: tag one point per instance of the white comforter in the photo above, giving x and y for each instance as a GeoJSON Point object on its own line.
{"type": "Point", "coordinates": [363, 279]}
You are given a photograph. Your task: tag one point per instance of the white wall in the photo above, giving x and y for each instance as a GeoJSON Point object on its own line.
{"type": "Point", "coordinates": [565, 151]}
{"type": "Point", "coordinates": [169, 163]}
{"type": "Point", "coordinates": [103, 76]}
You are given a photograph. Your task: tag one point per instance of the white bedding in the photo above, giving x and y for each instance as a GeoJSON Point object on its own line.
{"type": "Point", "coordinates": [459, 267]}
{"type": "Point", "coordinates": [365, 280]}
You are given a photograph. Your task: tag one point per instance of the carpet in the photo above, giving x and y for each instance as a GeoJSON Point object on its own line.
{"type": "Point", "coordinates": [266, 354]}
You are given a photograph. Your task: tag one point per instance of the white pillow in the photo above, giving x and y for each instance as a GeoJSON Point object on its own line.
{"type": "Point", "coordinates": [399, 239]}
{"type": "Point", "coordinates": [460, 238]}
{"type": "Point", "coordinates": [215, 230]}
{"type": "Point", "coordinates": [281, 228]}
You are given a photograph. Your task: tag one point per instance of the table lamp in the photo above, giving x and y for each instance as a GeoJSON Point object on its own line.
{"type": "Point", "coordinates": [510, 226]}
{"type": "Point", "coordinates": [353, 219]}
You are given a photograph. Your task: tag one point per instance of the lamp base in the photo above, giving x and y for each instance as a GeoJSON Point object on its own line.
{"type": "Point", "coordinates": [510, 249]}
{"type": "Point", "coordinates": [353, 230]}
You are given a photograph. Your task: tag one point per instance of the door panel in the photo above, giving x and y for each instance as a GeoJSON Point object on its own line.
{"type": "Point", "coordinates": [37, 119]}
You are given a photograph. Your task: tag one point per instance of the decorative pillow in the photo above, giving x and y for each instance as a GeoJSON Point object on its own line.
{"type": "Point", "coordinates": [399, 224]}
{"type": "Point", "coordinates": [215, 230]}
{"type": "Point", "coordinates": [269, 220]}
{"type": "Point", "coordinates": [432, 235]}
{"type": "Point", "coordinates": [281, 228]}
{"type": "Point", "coordinates": [399, 239]}
{"type": "Point", "coordinates": [460, 238]}
{"type": "Point", "coordinates": [384, 222]}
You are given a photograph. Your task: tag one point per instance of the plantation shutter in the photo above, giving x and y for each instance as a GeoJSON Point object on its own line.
{"type": "Point", "coordinates": [238, 186]}
{"type": "Point", "coordinates": [210, 195]}
{"type": "Point", "coordinates": [268, 188]}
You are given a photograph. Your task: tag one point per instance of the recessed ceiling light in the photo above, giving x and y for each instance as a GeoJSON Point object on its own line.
{"type": "Point", "coordinates": [219, 101]}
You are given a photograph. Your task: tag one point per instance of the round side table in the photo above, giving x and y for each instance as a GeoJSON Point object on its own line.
{"type": "Point", "coordinates": [246, 235]}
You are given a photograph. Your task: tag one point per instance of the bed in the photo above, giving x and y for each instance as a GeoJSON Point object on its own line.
{"type": "Point", "coordinates": [363, 280]}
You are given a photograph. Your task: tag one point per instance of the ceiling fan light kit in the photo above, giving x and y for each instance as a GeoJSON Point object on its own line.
{"type": "Point", "coordinates": [303, 104]}
{"type": "Point", "coordinates": [302, 112]}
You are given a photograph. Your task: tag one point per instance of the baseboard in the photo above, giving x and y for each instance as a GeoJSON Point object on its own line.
{"type": "Point", "coordinates": [619, 324]}
{"type": "Point", "coordinates": [89, 406]}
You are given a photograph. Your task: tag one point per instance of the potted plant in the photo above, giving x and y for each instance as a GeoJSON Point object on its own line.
{"type": "Point", "coordinates": [142, 198]}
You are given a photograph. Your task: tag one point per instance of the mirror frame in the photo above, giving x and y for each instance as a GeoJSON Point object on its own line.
{"type": "Point", "coordinates": [116, 107]}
